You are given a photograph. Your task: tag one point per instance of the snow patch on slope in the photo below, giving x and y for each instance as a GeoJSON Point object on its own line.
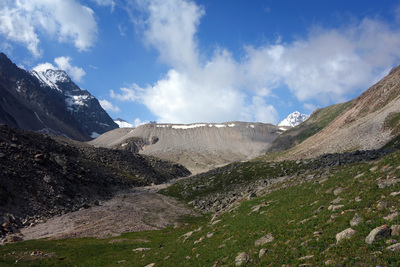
{"type": "Point", "coordinates": [95, 135]}
{"type": "Point", "coordinates": [76, 101]}
{"type": "Point", "coordinates": [193, 126]}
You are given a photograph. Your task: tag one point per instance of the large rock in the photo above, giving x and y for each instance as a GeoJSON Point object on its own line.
{"type": "Point", "coordinates": [356, 220]}
{"type": "Point", "coordinates": [265, 239]}
{"type": "Point", "coordinates": [378, 233]}
{"type": "Point", "coordinates": [241, 258]}
{"type": "Point", "coordinates": [346, 234]}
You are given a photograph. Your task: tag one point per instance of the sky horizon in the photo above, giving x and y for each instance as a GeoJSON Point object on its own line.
{"type": "Point", "coordinates": [190, 61]}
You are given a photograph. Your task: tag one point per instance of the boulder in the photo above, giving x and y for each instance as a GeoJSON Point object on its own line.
{"type": "Point", "coordinates": [265, 239]}
{"type": "Point", "coordinates": [357, 219]}
{"type": "Point", "coordinates": [345, 234]}
{"type": "Point", "coordinates": [378, 233]}
{"type": "Point", "coordinates": [241, 258]}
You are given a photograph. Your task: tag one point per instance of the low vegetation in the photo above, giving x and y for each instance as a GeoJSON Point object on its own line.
{"type": "Point", "coordinates": [301, 221]}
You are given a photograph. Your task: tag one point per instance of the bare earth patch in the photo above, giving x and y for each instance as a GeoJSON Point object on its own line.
{"type": "Point", "coordinates": [138, 209]}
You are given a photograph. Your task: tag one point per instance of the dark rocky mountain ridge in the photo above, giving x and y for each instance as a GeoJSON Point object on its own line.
{"type": "Point", "coordinates": [49, 102]}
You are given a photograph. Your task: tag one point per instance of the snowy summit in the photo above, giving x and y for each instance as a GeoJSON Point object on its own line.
{"type": "Point", "coordinates": [293, 119]}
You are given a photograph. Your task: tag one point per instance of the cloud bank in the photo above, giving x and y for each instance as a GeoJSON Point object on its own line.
{"type": "Point", "coordinates": [23, 21]}
{"type": "Point", "coordinates": [323, 68]}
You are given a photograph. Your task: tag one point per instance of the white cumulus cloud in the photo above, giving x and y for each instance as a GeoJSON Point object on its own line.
{"type": "Point", "coordinates": [24, 21]}
{"type": "Point", "coordinates": [44, 66]}
{"type": "Point", "coordinates": [63, 63]}
{"type": "Point", "coordinates": [107, 105]}
{"type": "Point", "coordinates": [325, 67]}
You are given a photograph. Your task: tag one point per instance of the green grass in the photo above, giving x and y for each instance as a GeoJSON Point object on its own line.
{"type": "Point", "coordinates": [227, 177]}
{"type": "Point", "coordinates": [289, 215]}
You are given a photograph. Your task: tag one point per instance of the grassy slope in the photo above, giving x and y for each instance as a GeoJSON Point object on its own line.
{"type": "Point", "coordinates": [289, 216]}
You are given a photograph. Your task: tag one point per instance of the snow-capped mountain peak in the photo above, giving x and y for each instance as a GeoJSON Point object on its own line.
{"type": "Point", "coordinates": [51, 78]}
{"type": "Point", "coordinates": [123, 123]}
{"type": "Point", "coordinates": [293, 119]}
{"type": "Point", "coordinates": [47, 100]}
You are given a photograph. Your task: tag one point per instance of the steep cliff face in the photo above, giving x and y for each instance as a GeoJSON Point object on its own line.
{"type": "Point", "coordinates": [200, 146]}
{"type": "Point", "coordinates": [49, 102]}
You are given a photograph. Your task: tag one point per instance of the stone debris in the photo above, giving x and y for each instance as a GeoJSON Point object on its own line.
{"type": "Point", "coordinates": [337, 200]}
{"type": "Point", "coordinates": [262, 252]}
{"type": "Point", "coordinates": [395, 230]}
{"type": "Point", "coordinates": [306, 257]}
{"type": "Point", "coordinates": [387, 183]}
{"type": "Point", "coordinates": [373, 169]}
{"type": "Point", "coordinates": [395, 247]}
{"type": "Point", "coordinates": [393, 194]}
{"type": "Point", "coordinates": [391, 216]}
{"type": "Point", "coordinates": [140, 249]}
{"type": "Point", "coordinates": [337, 191]}
{"type": "Point", "coordinates": [335, 207]}
{"type": "Point", "coordinates": [319, 209]}
{"type": "Point", "coordinates": [357, 219]}
{"type": "Point", "coordinates": [383, 205]}
{"type": "Point", "coordinates": [215, 222]}
{"type": "Point", "coordinates": [201, 239]}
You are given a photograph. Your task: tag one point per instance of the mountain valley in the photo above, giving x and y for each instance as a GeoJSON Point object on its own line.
{"type": "Point", "coordinates": [325, 192]}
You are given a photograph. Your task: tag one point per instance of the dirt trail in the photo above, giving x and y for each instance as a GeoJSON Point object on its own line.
{"type": "Point", "coordinates": [138, 209]}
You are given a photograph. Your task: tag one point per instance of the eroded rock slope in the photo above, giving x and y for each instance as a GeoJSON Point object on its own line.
{"type": "Point", "coordinates": [198, 147]}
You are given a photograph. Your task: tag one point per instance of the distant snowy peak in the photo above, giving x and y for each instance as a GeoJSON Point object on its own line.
{"type": "Point", "coordinates": [293, 119]}
{"type": "Point", "coordinates": [123, 123]}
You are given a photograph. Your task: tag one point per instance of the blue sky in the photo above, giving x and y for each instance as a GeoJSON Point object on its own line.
{"type": "Point", "coordinates": [182, 61]}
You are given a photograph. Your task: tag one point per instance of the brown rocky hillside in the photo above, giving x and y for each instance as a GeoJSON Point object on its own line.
{"type": "Point", "coordinates": [371, 121]}
{"type": "Point", "coordinates": [198, 147]}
